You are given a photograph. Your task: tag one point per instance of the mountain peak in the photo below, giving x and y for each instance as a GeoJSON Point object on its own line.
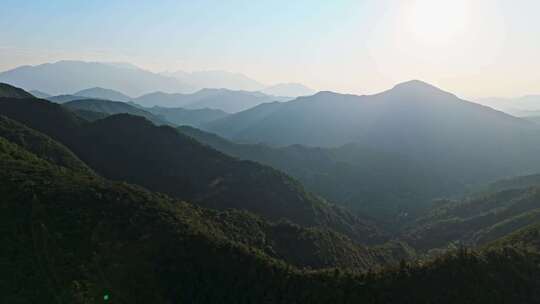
{"type": "Point", "coordinates": [417, 87]}
{"type": "Point", "coordinates": [415, 84]}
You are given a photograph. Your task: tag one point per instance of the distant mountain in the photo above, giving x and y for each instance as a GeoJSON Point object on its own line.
{"type": "Point", "coordinates": [101, 93]}
{"type": "Point", "coordinates": [40, 94]}
{"type": "Point", "coordinates": [113, 107]}
{"type": "Point", "coordinates": [72, 76]}
{"type": "Point", "coordinates": [218, 99]}
{"type": "Point", "coordinates": [10, 91]}
{"type": "Point", "coordinates": [64, 98]}
{"type": "Point", "coordinates": [129, 148]}
{"type": "Point", "coordinates": [217, 80]}
{"type": "Point", "coordinates": [162, 99]}
{"type": "Point", "coordinates": [288, 89]}
{"type": "Point", "coordinates": [185, 117]}
{"type": "Point", "coordinates": [522, 106]}
{"type": "Point", "coordinates": [415, 120]}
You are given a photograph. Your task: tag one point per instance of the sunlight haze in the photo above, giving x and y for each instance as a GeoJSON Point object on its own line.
{"type": "Point", "coordinates": [473, 48]}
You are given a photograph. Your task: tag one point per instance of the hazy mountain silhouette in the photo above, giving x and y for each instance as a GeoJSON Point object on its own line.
{"type": "Point", "coordinates": [185, 117]}
{"type": "Point", "coordinates": [218, 99]}
{"type": "Point", "coordinates": [40, 94]}
{"type": "Point", "coordinates": [101, 93]}
{"type": "Point", "coordinates": [288, 89]}
{"type": "Point", "coordinates": [217, 80]}
{"type": "Point", "coordinates": [113, 107]}
{"type": "Point", "coordinates": [447, 136]}
{"type": "Point", "coordinates": [64, 98]}
{"type": "Point", "coordinates": [72, 76]}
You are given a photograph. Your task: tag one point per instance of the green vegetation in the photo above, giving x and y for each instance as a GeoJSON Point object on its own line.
{"type": "Point", "coordinates": [368, 181]}
{"type": "Point", "coordinates": [476, 221]}
{"type": "Point", "coordinates": [41, 145]}
{"type": "Point", "coordinates": [76, 238]}
{"type": "Point", "coordinates": [129, 148]}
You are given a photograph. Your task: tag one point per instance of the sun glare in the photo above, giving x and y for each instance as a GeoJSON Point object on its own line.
{"type": "Point", "coordinates": [438, 22]}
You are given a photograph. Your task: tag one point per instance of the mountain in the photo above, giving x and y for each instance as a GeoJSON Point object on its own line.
{"type": "Point", "coordinates": [77, 238]}
{"type": "Point", "coordinates": [64, 98]}
{"type": "Point", "coordinates": [288, 89]}
{"type": "Point", "coordinates": [113, 107]}
{"type": "Point", "coordinates": [39, 94]}
{"type": "Point", "coordinates": [181, 116]}
{"type": "Point", "coordinates": [72, 76]}
{"type": "Point", "coordinates": [446, 135]}
{"type": "Point", "coordinates": [47, 248]}
{"type": "Point", "coordinates": [10, 91]}
{"type": "Point", "coordinates": [129, 148]}
{"type": "Point", "coordinates": [218, 99]}
{"type": "Point", "coordinates": [524, 106]}
{"type": "Point", "coordinates": [101, 93]}
{"type": "Point", "coordinates": [217, 80]}
{"type": "Point", "coordinates": [379, 184]}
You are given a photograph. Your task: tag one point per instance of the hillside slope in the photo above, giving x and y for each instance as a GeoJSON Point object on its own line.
{"type": "Point", "coordinates": [40, 145]}
{"type": "Point", "coordinates": [476, 221]}
{"type": "Point", "coordinates": [129, 148]}
{"type": "Point", "coordinates": [383, 185]}
{"type": "Point", "coordinates": [80, 239]}
{"type": "Point", "coordinates": [9, 91]}
{"type": "Point", "coordinates": [113, 107]}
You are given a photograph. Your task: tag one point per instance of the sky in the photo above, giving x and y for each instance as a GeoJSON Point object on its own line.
{"type": "Point", "coordinates": [474, 48]}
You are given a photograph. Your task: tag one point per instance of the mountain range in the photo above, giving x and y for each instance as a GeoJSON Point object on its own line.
{"type": "Point", "coordinates": [118, 209]}
{"type": "Point", "coordinates": [71, 76]}
{"type": "Point", "coordinates": [65, 77]}
{"type": "Point", "coordinates": [434, 129]}
{"type": "Point", "coordinates": [219, 99]}
{"type": "Point", "coordinates": [129, 148]}
{"type": "Point", "coordinates": [78, 238]}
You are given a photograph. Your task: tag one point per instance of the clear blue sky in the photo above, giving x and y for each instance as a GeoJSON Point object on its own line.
{"type": "Point", "coordinates": [475, 48]}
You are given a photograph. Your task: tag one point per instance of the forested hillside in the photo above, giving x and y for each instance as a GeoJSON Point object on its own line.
{"type": "Point", "coordinates": [384, 185]}
{"type": "Point", "coordinates": [476, 221]}
{"type": "Point", "coordinates": [77, 238]}
{"type": "Point", "coordinates": [132, 149]}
